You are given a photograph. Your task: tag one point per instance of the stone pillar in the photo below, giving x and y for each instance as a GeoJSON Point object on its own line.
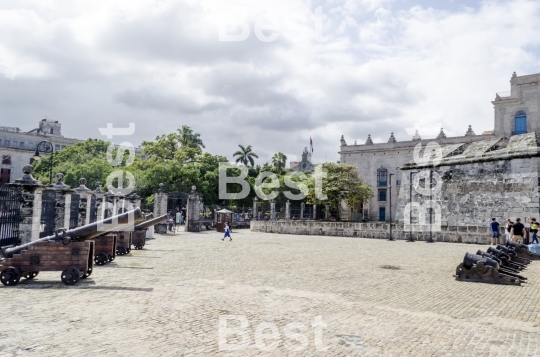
{"type": "Point", "coordinates": [100, 204]}
{"type": "Point", "coordinates": [272, 210]}
{"type": "Point", "coordinates": [84, 203]}
{"type": "Point", "coordinates": [108, 203]}
{"type": "Point", "coordinates": [288, 211]}
{"type": "Point", "coordinates": [302, 207]}
{"type": "Point", "coordinates": [160, 208]}
{"type": "Point", "coordinates": [28, 192]}
{"type": "Point", "coordinates": [134, 200]}
{"type": "Point", "coordinates": [193, 206]}
{"type": "Point", "coordinates": [326, 212]}
{"type": "Point", "coordinates": [314, 212]}
{"type": "Point", "coordinates": [63, 202]}
{"type": "Point", "coordinates": [255, 209]}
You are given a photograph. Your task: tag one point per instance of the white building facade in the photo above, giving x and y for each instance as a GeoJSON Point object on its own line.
{"type": "Point", "coordinates": [17, 147]}
{"type": "Point", "coordinates": [516, 112]}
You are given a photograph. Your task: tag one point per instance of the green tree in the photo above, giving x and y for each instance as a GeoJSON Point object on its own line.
{"type": "Point", "coordinates": [245, 155]}
{"type": "Point", "coordinates": [342, 183]}
{"type": "Point", "coordinates": [279, 160]}
{"type": "Point", "coordinates": [190, 139]}
{"type": "Point", "coordinates": [166, 146]}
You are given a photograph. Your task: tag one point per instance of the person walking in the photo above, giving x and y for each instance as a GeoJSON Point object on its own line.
{"type": "Point", "coordinates": [517, 231]}
{"type": "Point", "coordinates": [227, 232]}
{"type": "Point", "coordinates": [495, 231]}
{"type": "Point", "coordinates": [534, 230]}
{"type": "Point", "coordinates": [508, 228]}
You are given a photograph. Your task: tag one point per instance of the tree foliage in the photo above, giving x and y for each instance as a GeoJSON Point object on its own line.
{"type": "Point", "coordinates": [245, 155]}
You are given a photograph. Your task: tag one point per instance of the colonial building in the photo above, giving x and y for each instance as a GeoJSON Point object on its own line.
{"type": "Point", "coordinates": [305, 165]}
{"type": "Point", "coordinates": [516, 113]}
{"type": "Point", "coordinates": [17, 147]}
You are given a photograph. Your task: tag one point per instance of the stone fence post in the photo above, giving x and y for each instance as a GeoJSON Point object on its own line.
{"type": "Point", "coordinates": [255, 212]}
{"type": "Point", "coordinates": [302, 207]}
{"type": "Point", "coordinates": [287, 211]}
{"type": "Point", "coordinates": [63, 202]}
{"type": "Point", "coordinates": [314, 212]}
{"type": "Point", "coordinates": [160, 208]}
{"type": "Point", "coordinates": [272, 210]}
{"type": "Point", "coordinates": [100, 204]}
{"type": "Point", "coordinates": [85, 195]}
{"type": "Point", "coordinates": [193, 206]}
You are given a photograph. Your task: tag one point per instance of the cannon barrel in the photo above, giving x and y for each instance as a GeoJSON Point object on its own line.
{"type": "Point", "coordinates": [89, 231]}
{"type": "Point", "coordinates": [149, 223]}
{"type": "Point", "coordinates": [472, 259]}
{"type": "Point", "coordinates": [498, 253]}
{"type": "Point", "coordinates": [488, 255]}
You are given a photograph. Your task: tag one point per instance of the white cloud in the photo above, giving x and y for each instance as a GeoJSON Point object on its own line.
{"type": "Point", "coordinates": [160, 64]}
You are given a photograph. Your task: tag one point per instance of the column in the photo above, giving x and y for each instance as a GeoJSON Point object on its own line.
{"type": "Point", "coordinates": [160, 208]}
{"type": "Point", "coordinates": [272, 210]}
{"type": "Point", "coordinates": [193, 206]}
{"type": "Point", "coordinates": [63, 202]}
{"type": "Point", "coordinates": [84, 202]}
{"type": "Point", "coordinates": [326, 212]}
{"type": "Point", "coordinates": [314, 212]}
{"type": "Point", "coordinates": [255, 212]}
{"type": "Point", "coordinates": [100, 205]}
{"type": "Point", "coordinates": [287, 211]}
{"type": "Point", "coordinates": [302, 207]}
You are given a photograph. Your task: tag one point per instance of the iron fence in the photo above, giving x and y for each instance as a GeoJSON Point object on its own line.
{"type": "Point", "coordinates": [48, 212]}
{"type": "Point", "coordinates": [10, 210]}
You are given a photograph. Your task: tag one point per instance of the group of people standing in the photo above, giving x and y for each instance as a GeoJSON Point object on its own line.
{"type": "Point", "coordinates": [515, 231]}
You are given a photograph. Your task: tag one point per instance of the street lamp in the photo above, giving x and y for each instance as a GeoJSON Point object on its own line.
{"type": "Point", "coordinates": [390, 211]}
{"type": "Point", "coordinates": [410, 203]}
{"type": "Point", "coordinates": [430, 240]}
{"type": "Point", "coordinates": [390, 188]}
{"type": "Point", "coordinates": [45, 146]}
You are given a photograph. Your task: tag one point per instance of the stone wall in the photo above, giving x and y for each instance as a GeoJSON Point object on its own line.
{"type": "Point", "coordinates": [376, 230]}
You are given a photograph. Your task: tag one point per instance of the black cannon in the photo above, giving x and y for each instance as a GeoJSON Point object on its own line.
{"type": "Point", "coordinates": [502, 264]}
{"type": "Point", "coordinates": [124, 239]}
{"type": "Point", "coordinates": [477, 268]}
{"type": "Point", "coordinates": [70, 251]}
{"type": "Point", "coordinates": [138, 236]}
{"type": "Point", "coordinates": [512, 253]}
{"type": "Point", "coordinates": [522, 251]}
{"type": "Point", "coordinates": [506, 259]}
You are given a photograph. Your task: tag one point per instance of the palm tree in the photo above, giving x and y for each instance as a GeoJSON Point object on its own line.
{"type": "Point", "coordinates": [189, 139]}
{"type": "Point", "coordinates": [279, 161]}
{"type": "Point", "coordinates": [245, 154]}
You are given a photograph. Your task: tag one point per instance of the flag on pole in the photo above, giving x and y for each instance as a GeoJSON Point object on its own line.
{"type": "Point", "coordinates": [311, 144]}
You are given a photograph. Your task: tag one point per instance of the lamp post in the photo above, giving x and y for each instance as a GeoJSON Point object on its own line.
{"type": "Point", "coordinates": [410, 208]}
{"type": "Point", "coordinates": [430, 240]}
{"type": "Point", "coordinates": [390, 211]}
{"type": "Point", "coordinates": [45, 146]}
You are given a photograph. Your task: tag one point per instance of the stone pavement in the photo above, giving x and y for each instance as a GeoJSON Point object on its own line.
{"type": "Point", "coordinates": [167, 299]}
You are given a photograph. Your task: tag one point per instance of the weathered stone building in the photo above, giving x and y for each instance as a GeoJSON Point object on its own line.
{"type": "Point", "coordinates": [383, 165]}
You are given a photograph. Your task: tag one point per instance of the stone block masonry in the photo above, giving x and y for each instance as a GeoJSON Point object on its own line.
{"type": "Point", "coordinates": [375, 230]}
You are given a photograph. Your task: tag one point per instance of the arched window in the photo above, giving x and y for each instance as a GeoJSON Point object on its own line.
{"type": "Point", "coordinates": [520, 123]}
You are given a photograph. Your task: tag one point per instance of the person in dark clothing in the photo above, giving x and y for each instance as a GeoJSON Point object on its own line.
{"type": "Point", "coordinates": [495, 231]}
{"type": "Point", "coordinates": [517, 232]}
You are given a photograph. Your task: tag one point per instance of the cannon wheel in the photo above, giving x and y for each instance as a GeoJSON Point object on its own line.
{"type": "Point", "coordinates": [10, 276]}
{"type": "Point", "coordinates": [138, 246]}
{"type": "Point", "coordinates": [111, 258]}
{"type": "Point", "coordinates": [129, 250]}
{"type": "Point", "coordinates": [30, 274]}
{"type": "Point", "coordinates": [87, 274]}
{"type": "Point", "coordinates": [101, 259]}
{"type": "Point", "coordinates": [71, 276]}
{"type": "Point", "coordinates": [121, 250]}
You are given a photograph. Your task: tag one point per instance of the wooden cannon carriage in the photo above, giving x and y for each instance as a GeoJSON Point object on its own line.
{"type": "Point", "coordinates": [105, 249]}
{"type": "Point", "coordinates": [69, 251]}
{"type": "Point", "coordinates": [74, 260]}
{"type": "Point", "coordinates": [139, 233]}
{"type": "Point", "coordinates": [123, 242]}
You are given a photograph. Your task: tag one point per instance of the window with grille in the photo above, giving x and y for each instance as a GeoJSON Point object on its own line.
{"type": "Point", "coordinates": [5, 174]}
{"type": "Point", "coordinates": [382, 195]}
{"type": "Point", "coordinates": [21, 145]}
{"type": "Point", "coordinates": [6, 159]}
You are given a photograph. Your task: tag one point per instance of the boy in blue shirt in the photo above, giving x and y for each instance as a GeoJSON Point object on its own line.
{"type": "Point", "coordinates": [227, 233]}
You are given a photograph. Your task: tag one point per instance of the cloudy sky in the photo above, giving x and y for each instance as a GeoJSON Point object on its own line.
{"type": "Point", "coordinates": [319, 68]}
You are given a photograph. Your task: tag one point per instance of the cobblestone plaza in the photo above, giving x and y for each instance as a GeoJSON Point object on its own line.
{"type": "Point", "coordinates": [376, 298]}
